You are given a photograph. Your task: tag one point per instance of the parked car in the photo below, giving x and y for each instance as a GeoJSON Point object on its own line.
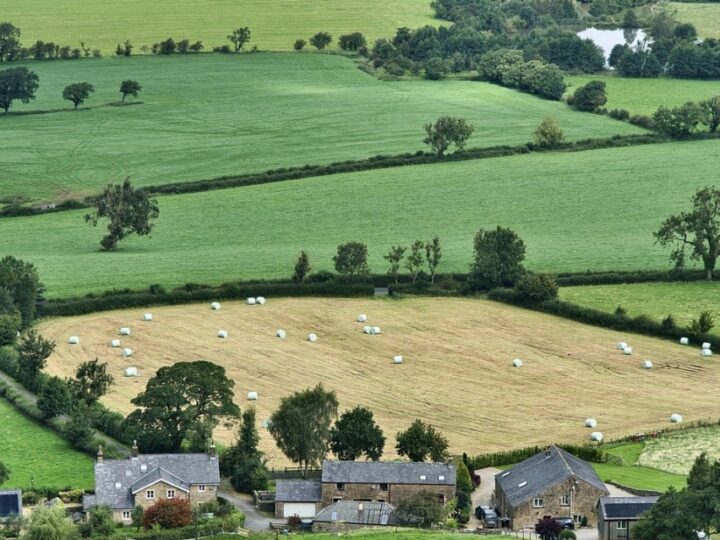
{"type": "Point", "coordinates": [488, 516]}
{"type": "Point", "coordinates": [565, 522]}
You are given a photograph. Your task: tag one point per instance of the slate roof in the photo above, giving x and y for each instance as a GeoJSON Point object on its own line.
{"type": "Point", "coordinates": [298, 490]}
{"type": "Point", "coordinates": [360, 513]}
{"type": "Point", "coordinates": [532, 477]}
{"type": "Point", "coordinates": [10, 502]}
{"type": "Point", "coordinates": [625, 508]}
{"type": "Point", "coordinates": [380, 472]}
{"type": "Point", "coordinates": [187, 468]}
{"type": "Point", "coordinates": [155, 476]}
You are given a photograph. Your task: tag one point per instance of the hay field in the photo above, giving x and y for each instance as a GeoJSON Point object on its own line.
{"type": "Point", "coordinates": [705, 16]}
{"type": "Point", "coordinates": [677, 452]}
{"type": "Point", "coordinates": [457, 372]}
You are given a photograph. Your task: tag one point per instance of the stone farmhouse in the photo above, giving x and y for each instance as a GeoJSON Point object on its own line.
{"type": "Point", "coordinates": [144, 479]}
{"type": "Point", "coordinates": [617, 515]}
{"type": "Point", "coordinates": [552, 483]}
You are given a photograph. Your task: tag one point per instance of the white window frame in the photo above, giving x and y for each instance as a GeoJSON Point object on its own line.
{"type": "Point", "coordinates": [126, 515]}
{"type": "Point", "coordinates": [170, 494]}
{"type": "Point", "coordinates": [150, 494]}
{"type": "Point", "coordinates": [201, 488]}
{"type": "Point", "coordinates": [538, 502]}
{"type": "Point", "coordinates": [564, 500]}
{"type": "Point", "coordinates": [621, 525]}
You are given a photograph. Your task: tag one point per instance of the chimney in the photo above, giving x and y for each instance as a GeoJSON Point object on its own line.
{"type": "Point", "coordinates": [547, 450]}
{"type": "Point", "coordinates": [100, 454]}
{"type": "Point", "coordinates": [211, 450]}
{"type": "Point", "coordinates": [134, 449]}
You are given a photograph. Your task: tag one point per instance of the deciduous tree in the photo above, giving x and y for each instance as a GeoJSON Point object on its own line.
{"type": "Point", "coordinates": [590, 97]}
{"type": "Point", "coordinates": [33, 352]}
{"type": "Point", "coordinates": [9, 41]}
{"type": "Point", "coordinates": [21, 281]}
{"type": "Point", "coordinates": [351, 259]}
{"type": "Point", "coordinates": [55, 398]}
{"type": "Point", "coordinates": [77, 93]}
{"type": "Point", "coordinates": [548, 133]}
{"type": "Point", "coordinates": [415, 259]}
{"type": "Point", "coordinates": [50, 523]}
{"type": "Point", "coordinates": [321, 40]}
{"type": "Point", "coordinates": [395, 257]}
{"type": "Point", "coordinates": [168, 514]}
{"type": "Point", "coordinates": [17, 84]}
{"type": "Point", "coordinates": [129, 88]}
{"type": "Point", "coordinates": [302, 267]}
{"type": "Point", "coordinates": [355, 434]}
{"type": "Point", "coordinates": [92, 381]}
{"type": "Point", "coordinates": [352, 42]}
{"type": "Point", "coordinates": [447, 130]}
{"type": "Point", "coordinates": [433, 254]}
{"type": "Point", "coordinates": [239, 37]}
{"type": "Point", "coordinates": [421, 441]}
{"type": "Point", "coordinates": [499, 254]}
{"type": "Point", "coordinates": [422, 509]}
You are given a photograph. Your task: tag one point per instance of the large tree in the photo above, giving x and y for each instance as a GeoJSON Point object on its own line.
{"type": "Point", "coordinates": [92, 381]}
{"type": "Point", "coordinates": [355, 433]}
{"type": "Point", "coordinates": [243, 462]}
{"type": "Point", "coordinates": [129, 88]}
{"type": "Point", "coordinates": [239, 37]}
{"type": "Point", "coordinates": [351, 259]}
{"type": "Point", "coordinates": [9, 41]}
{"type": "Point", "coordinates": [128, 210]}
{"type": "Point", "coordinates": [415, 259]}
{"type": "Point", "coordinates": [321, 40]}
{"type": "Point", "coordinates": [180, 400]}
{"type": "Point", "coordinates": [697, 230]}
{"type": "Point", "coordinates": [77, 93]}
{"type": "Point", "coordinates": [50, 523]}
{"type": "Point", "coordinates": [445, 131]}
{"type": "Point", "coordinates": [301, 426]}
{"type": "Point", "coordinates": [590, 97]}
{"type": "Point", "coordinates": [33, 352]}
{"type": "Point", "coordinates": [421, 441]}
{"type": "Point", "coordinates": [498, 259]}
{"type": "Point", "coordinates": [395, 257]}
{"type": "Point", "coordinates": [21, 281]}
{"type": "Point", "coordinates": [433, 254]}
{"type": "Point", "coordinates": [55, 398]}
{"type": "Point", "coordinates": [17, 84]}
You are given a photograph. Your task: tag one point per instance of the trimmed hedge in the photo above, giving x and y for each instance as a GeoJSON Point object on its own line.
{"type": "Point", "coordinates": [584, 452]}
{"type": "Point", "coordinates": [571, 279]}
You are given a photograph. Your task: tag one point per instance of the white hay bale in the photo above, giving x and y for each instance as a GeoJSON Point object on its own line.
{"type": "Point", "coordinates": [596, 436]}
{"type": "Point", "coordinates": [367, 330]}
{"type": "Point", "coordinates": [706, 352]}
{"type": "Point", "coordinates": [147, 317]}
{"type": "Point", "coordinates": [127, 352]}
{"type": "Point", "coordinates": [115, 343]}
{"type": "Point", "coordinates": [706, 346]}
{"type": "Point", "coordinates": [312, 338]}
{"type": "Point", "coordinates": [281, 333]}
{"type": "Point", "coordinates": [627, 350]}
{"type": "Point", "coordinates": [131, 371]}
{"type": "Point", "coordinates": [647, 364]}
{"type": "Point", "coordinates": [676, 418]}
{"type": "Point", "coordinates": [621, 345]}
{"type": "Point", "coordinates": [215, 306]}
{"type": "Point", "coordinates": [376, 330]}
{"type": "Point", "coordinates": [252, 396]}
{"type": "Point", "coordinates": [250, 301]}
{"type": "Point", "coordinates": [591, 423]}
{"type": "Point", "coordinates": [397, 359]}
{"type": "Point", "coordinates": [260, 300]}
{"type": "Point", "coordinates": [362, 317]}
{"type": "Point", "coordinates": [684, 341]}
{"type": "Point", "coordinates": [124, 331]}
{"type": "Point", "coordinates": [517, 362]}
{"type": "Point", "coordinates": [74, 340]}
{"type": "Point", "coordinates": [222, 334]}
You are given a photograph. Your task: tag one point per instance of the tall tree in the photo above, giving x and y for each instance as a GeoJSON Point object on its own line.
{"type": "Point", "coordinates": [447, 130]}
{"type": "Point", "coordinates": [129, 211]}
{"type": "Point", "coordinates": [352, 42]}
{"type": "Point", "coordinates": [321, 40]}
{"type": "Point", "coordinates": [433, 254]}
{"type": "Point", "coordinates": [178, 400]}
{"type": "Point", "coordinates": [33, 352]}
{"type": "Point", "coordinates": [9, 41]}
{"type": "Point", "coordinates": [243, 462]}
{"type": "Point", "coordinates": [129, 88]}
{"type": "Point", "coordinates": [351, 259]}
{"type": "Point", "coordinates": [355, 433]}
{"type": "Point", "coordinates": [395, 257]}
{"type": "Point", "coordinates": [415, 259]}
{"type": "Point", "coordinates": [17, 84]}
{"type": "Point", "coordinates": [697, 230]}
{"type": "Point", "coordinates": [301, 426]}
{"type": "Point", "coordinates": [92, 381]}
{"type": "Point", "coordinates": [712, 107]}
{"type": "Point", "coordinates": [55, 398]}
{"type": "Point", "coordinates": [239, 37]}
{"type": "Point", "coordinates": [77, 93]}
{"type": "Point", "coordinates": [302, 267]}
{"type": "Point", "coordinates": [498, 259]}
{"type": "Point", "coordinates": [421, 441]}
{"type": "Point", "coordinates": [21, 281]}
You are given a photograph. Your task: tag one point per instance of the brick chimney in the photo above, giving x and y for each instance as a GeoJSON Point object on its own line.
{"type": "Point", "coordinates": [134, 449]}
{"type": "Point", "coordinates": [211, 450]}
{"type": "Point", "coordinates": [100, 454]}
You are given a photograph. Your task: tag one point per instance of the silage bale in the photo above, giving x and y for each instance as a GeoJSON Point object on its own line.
{"type": "Point", "coordinates": [125, 331]}
{"type": "Point", "coordinates": [706, 352]}
{"type": "Point", "coordinates": [215, 306]}
{"type": "Point", "coordinates": [74, 340]}
{"type": "Point", "coordinates": [281, 334]}
{"type": "Point", "coordinates": [596, 436]}
{"type": "Point", "coordinates": [676, 418]}
{"type": "Point", "coordinates": [627, 350]}
{"type": "Point", "coordinates": [127, 352]}
{"type": "Point", "coordinates": [131, 371]}
{"type": "Point", "coordinates": [362, 318]}
{"type": "Point", "coordinates": [376, 330]}
{"type": "Point", "coordinates": [591, 423]}
{"type": "Point", "coordinates": [684, 341]}
{"type": "Point", "coordinates": [115, 343]}
{"type": "Point", "coordinates": [367, 330]}
{"type": "Point", "coordinates": [260, 300]}
{"type": "Point", "coordinates": [312, 338]}
{"type": "Point", "coordinates": [147, 317]}
{"type": "Point", "coordinates": [222, 334]}
{"type": "Point", "coordinates": [397, 359]}
{"type": "Point", "coordinates": [706, 346]}
{"type": "Point", "coordinates": [621, 345]}
{"type": "Point", "coordinates": [252, 396]}
{"type": "Point", "coordinates": [250, 301]}
{"type": "Point", "coordinates": [647, 364]}
{"type": "Point", "coordinates": [517, 362]}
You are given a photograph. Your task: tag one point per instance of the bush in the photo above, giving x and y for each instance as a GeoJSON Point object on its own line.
{"type": "Point", "coordinates": [567, 534]}
{"type": "Point", "coordinates": [590, 97]}
{"type": "Point", "coordinates": [299, 44]}
{"type": "Point", "coordinates": [668, 323]}
{"type": "Point", "coordinates": [436, 69]}
{"type": "Point", "coordinates": [619, 114]}
{"type": "Point", "coordinates": [10, 325]}
{"type": "Point", "coordinates": [548, 134]}
{"type": "Point", "coordinates": [703, 323]}
{"type": "Point", "coordinates": [537, 288]}
{"type": "Point", "coordinates": [168, 514]}
{"type": "Point", "coordinates": [642, 120]}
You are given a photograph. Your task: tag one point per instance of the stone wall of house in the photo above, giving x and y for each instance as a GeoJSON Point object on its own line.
{"type": "Point", "coordinates": [160, 489]}
{"type": "Point", "coordinates": [372, 492]}
{"type": "Point", "coordinates": [117, 516]}
{"type": "Point", "coordinates": [199, 497]}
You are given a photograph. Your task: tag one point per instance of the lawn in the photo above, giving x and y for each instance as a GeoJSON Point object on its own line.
{"type": "Point", "coordinates": [275, 24]}
{"type": "Point", "coordinates": [575, 211]}
{"type": "Point", "coordinates": [644, 96]}
{"type": "Point", "coordinates": [639, 477]}
{"type": "Point", "coordinates": [210, 115]}
{"type": "Point", "coordinates": [705, 17]}
{"type": "Point", "coordinates": [684, 301]}
{"type": "Point", "coordinates": [676, 452]}
{"type": "Point", "coordinates": [38, 457]}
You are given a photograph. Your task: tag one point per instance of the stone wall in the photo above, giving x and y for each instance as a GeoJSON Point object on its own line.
{"type": "Point", "coordinates": [160, 489]}
{"type": "Point", "coordinates": [372, 492]}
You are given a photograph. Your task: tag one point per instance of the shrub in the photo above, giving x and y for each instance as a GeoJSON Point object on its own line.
{"type": "Point", "coordinates": [703, 323]}
{"type": "Point", "coordinates": [10, 325]}
{"type": "Point", "coordinates": [668, 323]}
{"type": "Point", "coordinates": [168, 514]}
{"type": "Point", "coordinates": [537, 287]}
{"type": "Point", "coordinates": [620, 311]}
{"type": "Point", "coordinates": [155, 288]}
{"type": "Point", "coordinates": [352, 42]}
{"type": "Point", "coordinates": [567, 534]}
{"type": "Point", "coordinates": [436, 69]}
{"type": "Point", "coordinates": [642, 120]}
{"type": "Point", "coordinates": [299, 44]}
{"type": "Point", "coordinates": [590, 97]}
{"type": "Point", "coordinates": [619, 114]}
{"type": "Point", "coordinates": [321, 40]}
{"type": "Point", "coordinates": [222, 49]}
{"type": "Point", "coordinates": [294, 521]}
{"type": "Point", "coordinates": [548, 133]}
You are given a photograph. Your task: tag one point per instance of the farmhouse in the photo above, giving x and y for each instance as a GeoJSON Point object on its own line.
{"type": "Point", "coordinates": [142, 480]}
{"type": "Point", "coordinates": [353, 515]}
{"type": "Point", "coordinates": [617, 515]}
{"type": "Point", "coordinates": [551, 483]}
{"type": "Point", "coordinates": [297, 498]}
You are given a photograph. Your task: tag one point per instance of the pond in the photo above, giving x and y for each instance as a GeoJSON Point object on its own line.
{"type": "Point", "coordinates": [607, 39]}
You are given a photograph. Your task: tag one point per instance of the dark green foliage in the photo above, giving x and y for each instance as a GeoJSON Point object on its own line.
{"type": "Point", "coordinates": [4, 473]}
{"type": "Point", "coordinates": [351, 259]}
{"type": "Point", "coordinates": [638, 63]}
{"type": "Point", "coordinates": [183, 46]}
{"type": "Point", "coordinates": [508, 68]}
{"type": "Point", "coordinates": [617, 53]}
{"type": "Point", "coordinates": [590, 97]}
{"type": "Point", "coordinates": [129, 211]}
{"type": "Point", "coordinates": [630, 19]}
{"type": "Point", "coordinates": [498, 259]}
{"type": "Point", "coordinates": [680, 122]}
{"type": "Point", "coordinates": [537, 287]}
{"type": "Point", "coordinates": [299, 44]}
{"type": "Point", "coordinates": [415, 259]}
{"type": "Point", "coordinates": [420, 442]}
{"type": "Point", "coordinates": [92, 381]}
{"type": "Point", "coordinates": [433, 254]}
{"type": "Point", "coordinates": [447, 130]}
{"type": "Point", "coordinates": [619, 114]}
{"type": "Point", "coordinates": [101, 521]}
{"type": "Point", "coordinates": [356, 434]}
{"type": "Point", "coordinates": [20, 281]}
{"type": "Point", "coordinates": [33, 352]}
{"type": "Point", "coordinates": [77, 430]}
{"type": "Point", "coordinates": [10, 325]}
{"type": "Point", "coordinates": [463, 482]}
{"type": "Point", "coordinates": [685, 31]}
{"type": "Point", "coordinates": [77, 93]}
{"type": "Point", "coordinates": [548, 134]}
{"type": "Point", "coordinates": [567, 534]}
{"type": "Point", "coordinates": [712, 111]}
{"type": "Point", "coordinates": [321, 40]}
{"type": "Point", "coordinates": [436, 69]}
{"type": "Point", "coordinates": [703, 324]}
{"type": "Point", "coordinates": [592, 454]}
{"type": "Point", "coordinates": [667, 519]}
{"type": "Point", "coordinates": [352, 42]}
{"type": "Point", "coordinates": [395, 257]}
{"type": "Point", "coordinates": [668, 323]}
{"type": "Point", "coordinates": [302, 267]}
{"type": "Point", "coordinates": [167, 47]}
{"type": "Point", "coordinates": [9, 41]}
{"type": "Point", "coordinates": [570, 52]}
{"type": "Point", "coordinates": [243, 462]}
{"type": "Point", "coordinates": [250, 475]}
{"type": "Point", "coordinates": [421, 509]}
{"type": "Point", "coordinates": [239, 37]}
{"type": "Point", "coordinates": [55, 398]}
{"type": "Point", "coordinates": [301, 425]}
{"type": "Point", "coordinates": [620, 311]}
{"type": "Point", "coordinates": [130, 88]}
{"type": "Point", "coordinates": [17, 84]}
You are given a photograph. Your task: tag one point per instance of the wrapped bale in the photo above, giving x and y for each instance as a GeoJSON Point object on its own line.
{"type": "Point", "coordinates": [591, 423]}
{"type": "Point", "coordinates": [131, 371]}
{"type": "Point", "coordinates": [596, 436]}
{"type": "Point", "coordinates": [252, 396]}
{"type": "Point", "coordinates": [281, 334]}
{"type": "Point", "coordinates": [222, 334]}
{"type": "Point", "coordinates": [684, 341]}
{"type": "Point", "coordinates": [115, 343]}
{"type": "Point", "coordinates": [517, 362]}
{"type": "Point", "coordinates": [124, 331]}
{"type": "Point", "coordinates": [362, 317]}
{"type": "Point", "coordinates": [148, 317]}
{"type": "Point", "coordinates": [127, 352]}
{"type": "Point", "coordinates": [260, 300]}
{"type": "Point", "coordinates": [627, 350]}
{"type": "Point", "coordinates": [706, 346]}
{"type": "Point", "coordinates": [706, 352]}
{"type": "Point", "coordinates": [367, 330]}
{"type": "Point", "coordinates": [74, 340]}
{"type": "Point", "coordinates": [647, 364]}
{"type": "Point", "coordinates": [376, 330]}
{"type": "Point", "coordinates": [312, 338]}
{"type": "Point", "coordinates": [215, 306]}
{"type": "Point", "coordinates": [397, 359]}
{"type": "Point", "coordinates": [621, 345]}
{"type": "Point", "coordinates": [250, 301]}
{"type": "Point", "coordinates": [676, 418]}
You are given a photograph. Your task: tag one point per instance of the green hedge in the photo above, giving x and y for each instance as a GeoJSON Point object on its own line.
{"type": "Point", "coordinates": [584, 452]}
{"type": "Point", "coordinates": [571, 279]}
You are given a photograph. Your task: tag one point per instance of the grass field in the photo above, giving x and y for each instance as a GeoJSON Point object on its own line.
{"type": "Point", "coordinates": [632, 475]}
{"type": "Point", "coordinates": [275, 24]}
{"type": "Point", "coordinates": [705, 17]}
{"type": "Point", "coordinates": [684, 301]}
{"type": "Point", "coordinates": [644, 96]}
{"type": "Point", "coordinates": [575, 211]}
{"type": "Point", "coordinates": [38, 457]}
{"type": "Point", "coordinates": [261, 111]}
{"type": "Point", "coordinates": [384, 533]}
{"type": "Point", "coordinates": [677, 452]}
{"type": "Point", "coordinates": [456, 374]}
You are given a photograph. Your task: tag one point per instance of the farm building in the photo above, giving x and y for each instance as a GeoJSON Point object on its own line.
{"type": "Point", "coordinates": [297, 498]}
{"type": "Point", "coordinates": [552, 483]}
{"type": "Point", "coordinates": [10, 503]}
{"type": "Point", "coordinates": [617, 515]}
{"type": "Point", "coordinates": [353, 515]}
{"type": "Point", "coordinates": [142, 480]}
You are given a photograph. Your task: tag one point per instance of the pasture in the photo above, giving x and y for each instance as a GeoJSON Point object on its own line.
{"type": "Point", "coordinates": [644, 96]}
{"type": "Point", "coordinates": [457, 371]}
{"type": "Point", "coordinates": [633, 475]}
{"type": "Point", "coordinates": [575, 211]}
{"type": "Point", "coordinates": [704, 16]}
{"type": "Point", "coordinates": [38, 457]}
{"type": "Point", "coordinates": [275, 24]}
{"type": "Point", "coordinates": [685, 301]}
{"type": "Point", "coordinates": [676, 452]}
{"type": "Point", "coordinates": [259, 112]}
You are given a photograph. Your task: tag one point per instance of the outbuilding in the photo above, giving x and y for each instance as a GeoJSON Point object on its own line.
{"type": "Point", "coordinates": [617, 515]}
{"type": "Point", "coordinates": [297, 498]}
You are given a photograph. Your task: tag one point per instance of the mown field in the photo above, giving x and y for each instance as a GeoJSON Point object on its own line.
{"type": "Point", "coordinates": [684, 301]}
{"type": "Point", "coordinates": [575, 211]}
{"type": "Point", "coordinates": [644, 96]}
{"type": "Point", "coordinates": [211, 115]}
{"type": "Point", "coordinates": [677, 452]}
{"type": "Point", "coordinates": [634, 475]}
{"type": "Point", "coordinates": [38, 457]}
{"type": "Point", "coordinates": [705, 17]}
{"type": "Point", "coordinates": [457, 371]}
{"type": "Point", "coordinates": [275, 24]}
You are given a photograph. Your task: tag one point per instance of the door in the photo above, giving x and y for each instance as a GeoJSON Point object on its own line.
{"type": "Point", "coordinates": [303, 510]}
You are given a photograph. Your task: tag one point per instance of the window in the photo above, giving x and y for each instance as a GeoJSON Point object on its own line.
{"type": "Point", "coordinates": [170, 493]}
{"type": "Point", "coordinates": [126, 515]}
{"type": "Point", "coordinates": [201, 488]}
{"type": "Point", "coordinates": [441, 498]}
{"type": "Point", "coordinates": [143, 468]}
{"type": "Point", "coordinates": [150, 494]}
{"type": "Point", "coordinates": [621, 525]}
{"type": "Point", "coordinates": [577, 518]}
{"type": "Point", "coordinates": [118, 485]}
{"type": "Point", "coordinates": [441, 478]}
{"type": "Point", "coordinates": [340, 486]}
{"type": "Point", "coordinates": [538, 502]}
{"type": "Point", "coordinates": [565, 500]}
{"type": "Point", "coordinates": [336, 499]}
{"type": "Point", "coordinates": [383, 487]}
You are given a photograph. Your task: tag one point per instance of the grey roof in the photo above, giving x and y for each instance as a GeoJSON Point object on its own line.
{"type": "Point", "coordinates": [380, 472]}
{"type": "Point", "coordinates": [362, 513]}
{"type": "Point", "coordinates": [298, 490]}
{"type": "Point", "coordinates": [155, 476]}
{"type": "Point", "coordinates": [626, 507]}
{"type": "Point", "coordinates": [10, 502]}
{"type": "Point", "coordinates": [186, 468]}
{"type": "Point", "coordinates": [532, 477]}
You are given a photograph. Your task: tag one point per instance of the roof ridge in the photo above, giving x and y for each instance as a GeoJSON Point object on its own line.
{"type": "Point", "coordinates": [562, 458]}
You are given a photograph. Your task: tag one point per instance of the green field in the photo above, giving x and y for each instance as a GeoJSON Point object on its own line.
{"type": "Point", "coordinates": [575, 211]}
{"type": "Point", "coordinates": [644, 96]}
{"type": "Point", "coordinates": [705, 16]}
{"type": "Point", "coordinates": [384, 533]}
{"type": "Point", "coordinates": [684, 301]}
{"type": "Point", "coordinates": [259, 111]}
{"type": "Point", "coordinates": [275, 24]}
{"type": "Point", "coordinates": [677, 452]}
{"type": "Point", "coordinates": [38, 457]}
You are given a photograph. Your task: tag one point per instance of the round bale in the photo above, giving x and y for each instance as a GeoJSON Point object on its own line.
{"type": "Point", "coordinates": [596, 436]}
{"type": "Point", "coordinates": [367, 330]}
{"type": "Point", "coordinates": [147, 317]}
{"type": "Point", "coordinates": [115, 343]}
{"type": "Point", "coordinates": [676, 418]}
{"type": "Point", "coordinates": [260, 300]}
{"type": "Point", "coordinates": [362, 317]}
{"type": "Point", "coordinates": [647, 364]}
{"type": "Point", "coordinates": [517, 362]}
{"type": "Point", "coordinates": [706, 352]}
{"type": "Point", "coordinates": [127, 352]}
{"type": "Point", "coordinates": [222, 334]}
{"type": "Point", "coordinates": [252, 396]}
{"type": "Point", "coordinates": [706, 346]}
{"type": "Point", "coordinates": [397, 359]}
{"type": "Point", "coordinates": [627, 350]}
{"type": "Point", "coordinates": [684, 341]}
{"type": "Point", "coordinates": [591, 423]}
{"type": "Point", "coordinates": [131, 371]}
{"type": "Point", "coordinates": [250, 301]}
{"type": "Point", "coordinates": [621, 345]}
{"type": "Point", "coordinates": [215, 306]}
{"type": "Point", "coordinates": [281, 334]}
{"type": "Point", "coordinates": [312, 338]}
{"type": "Point", "coordinates": [74, 340]}
{"type": "Point", "coordinates": [376, 330]}
{"type": "Point", "coordinates": [124, 331]}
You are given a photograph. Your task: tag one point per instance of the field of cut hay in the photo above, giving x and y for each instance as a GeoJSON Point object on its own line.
{"type": "Point", "coordinates": [457, 371]}
{"type": "Point", "coordinates": [677, 452]}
